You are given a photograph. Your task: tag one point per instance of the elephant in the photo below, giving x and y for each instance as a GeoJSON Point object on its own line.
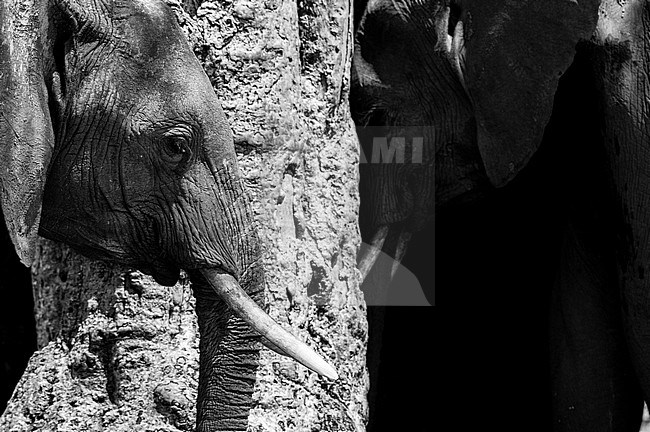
{"type": "Point", "coordinates": [514, 98]}
{"type": "Point", "coordinates": [113, 142]}
{"type": "Point", "coordinates": [469, 148]}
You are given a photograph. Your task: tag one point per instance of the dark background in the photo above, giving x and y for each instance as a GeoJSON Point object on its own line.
{"type": "Point", "coordinates": [17, 332]}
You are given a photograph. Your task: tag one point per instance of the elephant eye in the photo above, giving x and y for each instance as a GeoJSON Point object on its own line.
{"type": "Point", "coordinates": [176, 150]}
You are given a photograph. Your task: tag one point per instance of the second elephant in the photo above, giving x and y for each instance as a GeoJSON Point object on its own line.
{"type": "Point", "coordinates": [480, 79]}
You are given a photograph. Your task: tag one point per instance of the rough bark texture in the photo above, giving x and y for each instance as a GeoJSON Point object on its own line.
{"type": "Point", "coordinates": [119, 353]}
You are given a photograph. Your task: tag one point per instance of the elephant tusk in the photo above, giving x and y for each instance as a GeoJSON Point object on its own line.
{"type": "Point", "coordinates": [400, 251]}
{"type": "Point", "coordinates": [370, 252]}
{"type": "Point", "coordinates": [273, 347]}
{"type": "Point", "coordinates": [229, 290]}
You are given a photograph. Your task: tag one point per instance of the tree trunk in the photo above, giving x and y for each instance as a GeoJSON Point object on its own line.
{"type": "Point", "coordinates": [118, 352]}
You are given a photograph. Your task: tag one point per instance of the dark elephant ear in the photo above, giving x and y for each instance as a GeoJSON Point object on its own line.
{"type": "Point", "coordinates": [26, 136]}
{"type": "Point", "coordinates": [516, 52]}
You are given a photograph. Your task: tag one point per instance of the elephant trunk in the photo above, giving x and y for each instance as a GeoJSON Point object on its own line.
{"type": "Point", "coordinates": [621, 71]}
{"type": "Point", "coordinates": [635, 283]}
{"type": "Point", "coordinates": [229, 358]}
{"type": "Point", "coordinates": [231, 324]}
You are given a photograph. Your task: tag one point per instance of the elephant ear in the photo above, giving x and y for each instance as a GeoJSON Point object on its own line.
{"type": "Point", "coordinates": [26, 135]}
{"type": "Point", "coordinates": [516, 52]}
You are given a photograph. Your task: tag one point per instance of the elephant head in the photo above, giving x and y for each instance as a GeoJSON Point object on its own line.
{"type": "Point", "coordinates": [108, 98]}
{"type": "Point", "coordinates": [473, 81]}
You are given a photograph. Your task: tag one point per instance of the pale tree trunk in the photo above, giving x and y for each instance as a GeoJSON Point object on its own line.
{"type": "Point", "coordinates": [120, 353]}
